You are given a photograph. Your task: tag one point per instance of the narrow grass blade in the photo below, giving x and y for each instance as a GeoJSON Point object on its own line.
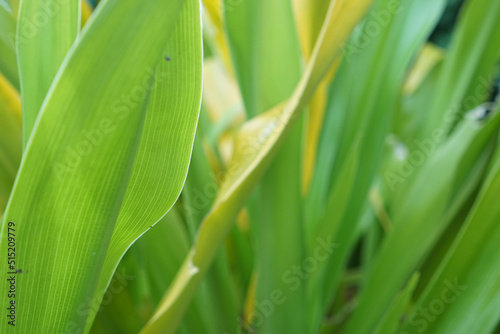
{"type": "Point", "coordinates": [366, 110]}
{"type": "Point", "coordinates": [419, 220]}
{"type": "Point", "coordinates": [467, 71]}
{"type": "Point", "coordinates": [324, 231]}
{"type": "Point", "coordinates": [466, 287]}
{"type": "Point", "coordinates": [392, 319]}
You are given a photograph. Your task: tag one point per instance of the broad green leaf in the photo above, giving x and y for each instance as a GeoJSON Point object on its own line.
{"type": "Point", "coordinates": [166, 142]}
{"type": "Point", "coordinates": [77, 164]}
{"type": "Point", "coordinates": [255, 146]}
{"type": "Point", "coordinates": [46, 31]}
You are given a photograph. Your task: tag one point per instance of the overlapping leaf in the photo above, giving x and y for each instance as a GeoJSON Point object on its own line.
{"type": "Point", "coordinates": [79, 160]}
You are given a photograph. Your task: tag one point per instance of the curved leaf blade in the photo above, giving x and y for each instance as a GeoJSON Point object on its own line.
{"type": "Point", "coordinates": [166, 142]}
{"type": "Point", "coordinates": [65, 215]}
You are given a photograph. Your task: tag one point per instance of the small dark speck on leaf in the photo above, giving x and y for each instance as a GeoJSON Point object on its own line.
{"type": "Point", "coordinates": [20, 271]}
{"type": "Point", "coordinates": [167, 58]}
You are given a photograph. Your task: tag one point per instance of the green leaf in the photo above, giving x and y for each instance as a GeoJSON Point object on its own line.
{"type": "Point", "coordinates": [166, 142]}
{"type": "Point", "coordinates": [80, 157]}
{"type": "Point", "coordinates": [326, 228]}
{"type": "Point", "coordinates": [265, 51]}
{"type": "Point", "coordinates": [46, 31]}
{"type": "Point", "coordinates": [268, 72]}
{"type": "Point", "coordinates": [392, 318]}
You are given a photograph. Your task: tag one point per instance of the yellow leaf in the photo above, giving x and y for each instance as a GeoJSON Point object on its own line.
{"type": "Point", "coordinates": [429, 58]}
